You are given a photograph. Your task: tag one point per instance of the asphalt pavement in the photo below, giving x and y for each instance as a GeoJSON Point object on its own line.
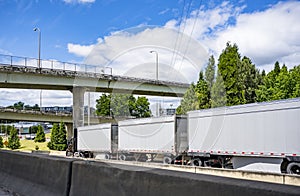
{"type": "Point", "coordinates": [6, 192]}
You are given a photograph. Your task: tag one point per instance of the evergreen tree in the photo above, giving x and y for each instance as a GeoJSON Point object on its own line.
{"type": "Point", "coordinates": [283, 88]}
{"type": "Point", "coordinates": [40, 135]}
{"type": "Point", "coordinates": [218, 92]}
{"type": "Point", "coordinates": [62, 137]}
{"type": "Point", "coordinates": [249, 78]}
{"type": "Point", "coordinates": [229, 66]}
{"type": "Point", "coordinates": [13, 139]}
{"type": "Point", "coordinates": [210, 72]}
{"type": "Point", "coordinates": [189, 102]}
{"type": "Point", "coordinates": [1, 142]}
{"type": "Point", "coordinates": [58, 137]}
{"type": "Point", "coordinates": [276, 68]}
{"type": "Point", "coordinates": [295, 81]}
{"type": "Point", "coordinates": [202, 92]}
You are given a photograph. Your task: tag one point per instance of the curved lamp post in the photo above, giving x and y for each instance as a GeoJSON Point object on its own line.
{"type": "Point", "coordinates": [39, 59]}
{"type": "Point", "coordinates": [39, 39]}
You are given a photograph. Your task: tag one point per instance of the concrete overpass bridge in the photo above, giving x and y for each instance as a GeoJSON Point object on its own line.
{"type": "Point", "coordinates": [38, 116]}
{"type": "Point", "coordinates": [27, 73]}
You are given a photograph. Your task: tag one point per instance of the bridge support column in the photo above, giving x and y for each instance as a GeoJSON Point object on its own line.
{"type": "Point", "coordinates": [69, 128]}
{"type": "Point", "coordinates": [78, 107]}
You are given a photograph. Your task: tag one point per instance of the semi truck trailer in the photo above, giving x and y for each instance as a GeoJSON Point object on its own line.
{"type": "Point", "coordinates": [258, 136]}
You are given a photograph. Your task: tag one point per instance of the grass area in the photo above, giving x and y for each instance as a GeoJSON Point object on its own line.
{"type": "Point", "coordinates": [29, 145]}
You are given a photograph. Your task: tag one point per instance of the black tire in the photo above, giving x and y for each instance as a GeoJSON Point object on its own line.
{"type": "Point", "coordinates": [293, 168]}
{"type": "Point", "coordinates": [107, 156]}
{"type": "Point", "coordinates": [122, 157]}
{"type": "Point", "coordinates": [167, 160]}
{"type": "Point", "coordinates": [196, 162]}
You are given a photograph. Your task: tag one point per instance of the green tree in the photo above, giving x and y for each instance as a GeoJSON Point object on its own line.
{"type": "Point", "coordinates": [278, 84]}
{"type": "Point", "coordinates": [6, 129]}
{"type": "Point", "coordinates": [229, 66]}
{"type": "Point", "coordinates": [1, 142]}
{"type": "Point", "coordinates": [276, 68]}
{"type": "Point", "coordinates": [103, 105]}
{"type": "Point", "coordinates": [13, 139]}
{"type": "Point", "coordinates": [40, 135]}
{"type": "Point", "coordinates": [189, 102]}
{"type": "Point", "coordinates": [283, 88]}
{"type": "Point", "coordinates": [142, 107]}
{"type": "Point", "coordinates": [33, 129]}
{"type": "Point", "coordinates": [58, 137]}
{"type": "Point", "coordinates": [295, 81]}
{"type": "Point", "coordinates": [210, 72]}
{"type": "Point", "coordinates": [202, 92]}
{"type": "Point", "coordinates": [19, 105]}
{"type": "Point", "coordinates": [249, 79]}
{"type": "Point", "coordinates": [121, 104]}
{"type": "Point", "coordinates": [218, 92]}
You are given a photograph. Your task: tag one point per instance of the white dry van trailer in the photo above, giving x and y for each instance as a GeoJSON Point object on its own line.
{"type": "Point", "coordinates": [166, 136]}
{"type": "Point", "coordinates": [259, 136]}
{"type": "Point", "coordinates": [97, 139]}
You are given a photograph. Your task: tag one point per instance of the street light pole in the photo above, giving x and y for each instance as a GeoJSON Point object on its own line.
{"type": "Point", "coordinates": [39, 42]}
{"type": "Point", "coordinates": [39, 59]}
{"type": "Point", "coordinates": [156, 53]}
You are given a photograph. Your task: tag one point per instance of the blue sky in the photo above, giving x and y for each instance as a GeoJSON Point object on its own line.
{"type": "Point", "coordinates": [62, 22]}
{"type": "Point", "coordinates": [120, 34]}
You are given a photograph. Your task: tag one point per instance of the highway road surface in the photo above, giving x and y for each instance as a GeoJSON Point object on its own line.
{"type": "Point", "coordinates": [6, 192]}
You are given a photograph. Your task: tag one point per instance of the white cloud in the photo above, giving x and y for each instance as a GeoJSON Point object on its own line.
{"type": "Point", "coordinates": [49, 98]}
{"type": "Point", "coordinates": [127, 52]}
{"type": "Point", "coordinates": [264, 36]}
{"type": "Point", "coordinates": [80, 50]}
{"type": "Point", "coordinates": [79, 1]}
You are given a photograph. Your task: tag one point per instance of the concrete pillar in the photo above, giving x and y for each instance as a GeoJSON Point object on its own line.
{"type": "Point", "coordinates": [78, 107]}
{"type": "Point", "coordinates": [69, 128]}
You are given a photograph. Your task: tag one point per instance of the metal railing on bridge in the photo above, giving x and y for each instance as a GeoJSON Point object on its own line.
{"type": "Point", "coordinates": [27, 64]}
{"type": "Point", "coordinates": [53, 64]}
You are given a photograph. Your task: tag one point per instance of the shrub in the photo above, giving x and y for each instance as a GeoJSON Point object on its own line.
{"type": "Point", "coordinates": [58, 138]}
{"type": "Point", "coordinates": [1, 142]}
{"type": "Point", "coordinates": [40, 135]}
{"type": "Point", "coordinates": [14, 140]}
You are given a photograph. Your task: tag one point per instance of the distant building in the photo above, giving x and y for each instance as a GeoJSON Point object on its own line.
{"type": "Point", "coordinates": [167, 112]}
{"type": "Point", "coordinates": [58, 109]}
{"type": "Point", "coordinates": [66, 110]}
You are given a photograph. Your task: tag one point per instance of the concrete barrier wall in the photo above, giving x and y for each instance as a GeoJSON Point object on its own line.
{"type": "Point", "coordinates": [30, 174]}
{"type": "Point", "coordinates": [98, 178]}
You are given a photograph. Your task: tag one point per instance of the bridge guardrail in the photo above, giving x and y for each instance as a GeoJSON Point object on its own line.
{"type": "Point", "coordinates": [53, 64]}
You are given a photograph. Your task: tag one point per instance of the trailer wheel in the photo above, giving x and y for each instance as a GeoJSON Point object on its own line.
{"type": "Point", "coordinates": [167, 160]}
{"type": "Point", "coordinates": [107, 156]}
{"type": "Point", "coordinates": [76, 154]}
{"type": "Point", "coordinates": [196, 162]}
{"type": "Point", "coordinates": [122, 157]}
{"type": "Point", "coordinates": [293, 168]}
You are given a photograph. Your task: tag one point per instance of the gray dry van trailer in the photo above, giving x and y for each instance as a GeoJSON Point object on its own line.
{"type": "Point", "coordinates": [98, 139]}
{"type": "Point", "coordinates": [259, 136]}
{"type": "Point", "coordinates": [165, 136]}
